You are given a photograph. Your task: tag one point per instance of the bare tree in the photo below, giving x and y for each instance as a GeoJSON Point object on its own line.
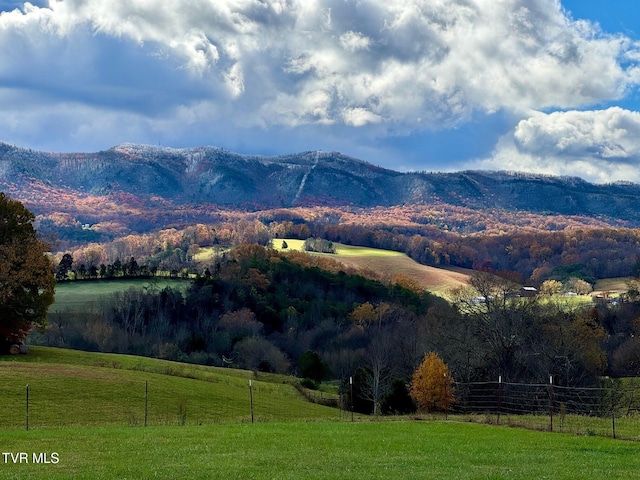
{"type": "Point", "coordinates": [504, 322]}
{"type": "Point", "coordinates": [378, 371]}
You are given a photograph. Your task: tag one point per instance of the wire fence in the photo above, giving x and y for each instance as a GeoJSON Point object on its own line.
{"type": "Point", "coordinates": [612, 409]}
{"type": "Point", "coordinates": [84, 402]}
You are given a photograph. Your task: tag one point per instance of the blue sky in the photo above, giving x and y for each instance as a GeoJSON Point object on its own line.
{"type": "Point", "coordinates": [542, 86]}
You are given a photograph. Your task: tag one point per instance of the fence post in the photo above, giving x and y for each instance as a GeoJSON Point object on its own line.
{"type": "Point", "coordinates": [251, 398]}
{"type": "Point", "coordinates": [446, 398]}
{"type": "Point", "coordinates": [550, 403]}
{"type": "Point", "coordinates": [351, 395]}
{"type": "Point", "coordinates": [27, 409]}
{"type": "Point", "coordinates": [499, 397]}
{"type": "Point", "coordinates": [613, 409]}
{"type": "Point", "coordinates": [146, 401]}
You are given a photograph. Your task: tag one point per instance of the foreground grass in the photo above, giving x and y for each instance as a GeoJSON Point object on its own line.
{"type": "Point", "coordinates": [407, 450]}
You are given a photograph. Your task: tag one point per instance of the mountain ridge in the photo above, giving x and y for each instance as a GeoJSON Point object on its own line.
{"type": "Point", "coordinates": [214, 176]}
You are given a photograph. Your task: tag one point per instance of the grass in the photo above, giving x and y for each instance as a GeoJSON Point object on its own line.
{"type": "Point", "coordinates": [208, 254]}
{"type": "Point", "coordinates": [627, 427]}
{"type": "Point", "coordinates": [70, 388]}
{"type": "Point", "coordinates": [88, 409]}
{"type": "Point", "coordinates": [341, 249]}
{"type": "Point", "coordinates": [388, 450]}
{"type": "Point", "coordinates": [390, 263]}
{"type": "Point", "coordinates": [78, 295]}
{"type": "Point", "coordinates": [611, 285]}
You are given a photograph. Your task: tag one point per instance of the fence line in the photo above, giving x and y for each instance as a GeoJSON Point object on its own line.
{"type": "Point", "coordinates": [612, 409]}
{"type": "Point", "coordinates": [82, 402]}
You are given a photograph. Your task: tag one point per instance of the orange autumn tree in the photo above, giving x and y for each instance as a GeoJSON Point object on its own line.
{"type": "Point", "coordinates": [432, 385]}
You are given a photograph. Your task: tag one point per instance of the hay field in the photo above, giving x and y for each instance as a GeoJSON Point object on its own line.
{"type": "Point", "coordinates": [387, 264]}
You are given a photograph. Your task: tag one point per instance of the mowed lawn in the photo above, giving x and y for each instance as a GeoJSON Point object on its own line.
{"type": "Point", "coordinates": [329, 450]}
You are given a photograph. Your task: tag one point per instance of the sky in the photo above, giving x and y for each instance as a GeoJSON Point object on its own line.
{"type": "Point", "coordinates": [542, 86]}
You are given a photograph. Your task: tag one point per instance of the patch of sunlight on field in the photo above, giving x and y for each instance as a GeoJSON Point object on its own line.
{"type": "Point", "coordinates": [389, 263]}
{"type": "Point", "coordinates": [614, 285]}
{"type": "Point", "coordinates": [207, 254]}
{"type": "Point", "coordinates": [355, 251]}
{"type": "Point", "coordinates": [341, 249]}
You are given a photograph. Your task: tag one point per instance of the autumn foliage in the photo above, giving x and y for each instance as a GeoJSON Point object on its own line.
{"type": "Point", "coordinates": [26, 279]}
{"type": "Point", "coordinates": [432, 385]}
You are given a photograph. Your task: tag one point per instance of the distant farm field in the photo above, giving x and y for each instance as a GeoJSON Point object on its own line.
{"type": "Point", "coordinates": [390, 263]}
{"type": "Point", "coordinates": [78, 295]}
{"type": "Point", "coordinates": [611, 285]}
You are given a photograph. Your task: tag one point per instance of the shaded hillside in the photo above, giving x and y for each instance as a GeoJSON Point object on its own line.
{"type": "Point", "coordinates": [204, 175]}
{"type": "Point", "coordinates": [141, 187]}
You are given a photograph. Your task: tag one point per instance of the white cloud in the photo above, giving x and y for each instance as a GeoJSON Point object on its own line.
{"type": "Point", "coordinates": [600, 145]}
{"type": "Point", "coordinates": [359, 117]}
{"type": "Point", "coordinates": [487, 54]}
{"type": "Point", "coordinates": [384, 66]}
{"type": "Point", "coordinates": [354, 41]}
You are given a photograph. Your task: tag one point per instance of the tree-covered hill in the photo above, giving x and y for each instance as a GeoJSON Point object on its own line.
{"type": "Point", "coordinates": [260, 307]}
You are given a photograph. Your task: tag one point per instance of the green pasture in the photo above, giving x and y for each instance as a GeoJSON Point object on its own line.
{"type": "Point", "coordinates": [78, 295]}
{"type": "Point", "coordinates": [326, 450]}
{"type": "Point", "coordinates": [341, 249]}
{"type": "Point", "coordinates": [89, 408]}
{"type": "Point", "coordinates": [71, 388]}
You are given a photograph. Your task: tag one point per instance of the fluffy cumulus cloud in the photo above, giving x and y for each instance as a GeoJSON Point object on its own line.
{"type": "Point", "coordinates": [376, 68]}
{"type": "Point", "coordinates": [601, 146]}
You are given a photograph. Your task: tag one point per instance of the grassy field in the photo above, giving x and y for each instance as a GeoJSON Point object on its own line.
{"type": "Point", "coordinates": [72, 388]}
{"type": "Point", "coordinates": [436, 280]}
{"type": "Point", "coordinates": [611, 285]}
{"type": "Point", "coordinates": [86, 413]}
{"type": "Point", "coordinates": [74, 296]}
{"type": "Point", "coordinates": [328, 450]}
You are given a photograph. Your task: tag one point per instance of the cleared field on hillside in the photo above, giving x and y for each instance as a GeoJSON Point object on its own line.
{"type": "Point", "coordinates": [81, 294]}
{"type": "Point", "coordinates": [611, 285]}
{"type": "Point", "coordinates": [71, 388]}
{"type": "Point", "coordinates": [389, 263]}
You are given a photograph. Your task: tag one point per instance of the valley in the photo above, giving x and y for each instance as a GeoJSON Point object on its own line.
{"type": "Point", "coordinates": [196, 256]}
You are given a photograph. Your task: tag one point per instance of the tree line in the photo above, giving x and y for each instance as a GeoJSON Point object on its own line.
{"type": "Point", "coordinates": [587, 254]}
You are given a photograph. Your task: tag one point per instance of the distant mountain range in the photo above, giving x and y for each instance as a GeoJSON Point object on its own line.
{"type": "Point", "coordinates": [214, 176]}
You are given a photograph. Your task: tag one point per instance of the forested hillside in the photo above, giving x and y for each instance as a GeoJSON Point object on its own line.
{"type": "Point", "coordinates": [138, 188]}
{"type": "Point", "coordinates": [586, 253]}
{"type": "Point", "coordinates": [260, 309]}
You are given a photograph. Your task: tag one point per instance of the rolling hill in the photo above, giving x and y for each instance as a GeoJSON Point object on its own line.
{"type": "Point", "coordinates": [73, 388]}
{"type": "Point", "coordinates": [391, 264]}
